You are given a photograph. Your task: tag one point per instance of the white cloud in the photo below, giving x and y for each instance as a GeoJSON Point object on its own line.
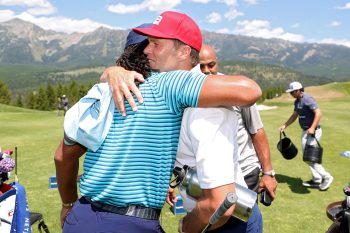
{"type": "Point", "coordinates": [201, 1]}
{"type": "Point", "coordinates": [228, 2]}
{"type": "Point", "coordinates": [214, 17]}
{"type": "Point", "coordinates": [334, 24]}
{"type": "Point", "coordinates": [29, 3]}
{"type": "Point", "coordinates": [126, 9]}
{"type": "Point", "coordinates": [41, 11]}
{"type": "Point", "coordinates": [344, 42]}
{"type": "Point", "coordinates": [262, 28]}
{"type": "Point", "coordinates": [151, 5]}
{"type": "Point", "coordinates": [345, 7]}
{"type": "Point", "coordinates": [6, 15]}
{"type": "Point", "coordinates": [232, 14]}
{"type": "Point", "coordinates": [60, 23]}
{"type": "Point", "coordinates": [36, 7]}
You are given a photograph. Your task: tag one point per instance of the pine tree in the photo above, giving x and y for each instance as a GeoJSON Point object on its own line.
{"type": "Point", "coordinates": [42, 101]}
{"type": "Point", "coordinates": [5, 93]}
{"type": "Point", "coordinates": [73, 92]}
{"type": "Point", "coordinates": [51, 97]}
{"type": "Point", "coordinates": [31, 100]}
{"type": "Point", "coordinates": [19, 100]}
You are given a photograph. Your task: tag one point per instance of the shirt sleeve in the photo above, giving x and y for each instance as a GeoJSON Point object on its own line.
{"type": "Point", "coordinates": [311, 103]}
{"type": "Point", "coordinates": [213, 137]}
{"type": "Point", "coordinates": [68, 141]}
{"type": "Point", "coordinates": [180, 89]}
{"type": "Point", "coordinates": [252, 119]}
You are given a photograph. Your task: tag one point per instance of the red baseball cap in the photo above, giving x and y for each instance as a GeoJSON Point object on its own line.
{"type": "Point", "coordinates": [174, 25]}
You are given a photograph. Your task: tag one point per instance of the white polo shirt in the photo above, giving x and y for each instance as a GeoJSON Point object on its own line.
{"type": "Point", "coordinates": [208, 141]}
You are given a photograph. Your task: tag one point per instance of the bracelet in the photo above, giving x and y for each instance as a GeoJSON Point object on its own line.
{"type": "Point", "coordinates": [68, 205]}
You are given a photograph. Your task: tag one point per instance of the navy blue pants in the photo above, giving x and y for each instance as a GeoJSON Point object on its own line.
{"type": "Point", "coordinates": [254, 224]}
{"type": "Point", "coordinates": [85, 218]}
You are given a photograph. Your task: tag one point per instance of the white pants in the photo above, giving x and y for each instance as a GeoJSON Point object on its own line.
{"type": "Point", "coordinates": [317, 170]}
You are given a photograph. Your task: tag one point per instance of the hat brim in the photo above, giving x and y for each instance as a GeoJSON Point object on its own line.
{"type": "Point", "coordinates": [152, 33]}
{"type": "Point", "coordinates": [289, 90]}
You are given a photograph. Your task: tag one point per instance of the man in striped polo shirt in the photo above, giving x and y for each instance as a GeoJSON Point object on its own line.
{"type": "Point", "coordinates": [126, 178]}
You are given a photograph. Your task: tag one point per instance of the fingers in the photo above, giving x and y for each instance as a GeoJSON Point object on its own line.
{"type": "Point", "coordinates": [139, 77]}
{"type": "Point", "coordinates": [269, 184]}
{"type": "Point", "coordinates": [103, 77]}
{"type": "Point", "coordinates": [171, 198]}
{"type": "Point", "coordinates": [168, 200]}
{"type": "Point", "coordinates": [119, 102]}
{"type": "Point", "coordinates": [64, 212]}
{"type": "Point", "coordinates": [134, 89]}
{"type": "Point", "coordinates": [122, 85]}
{"type": "Point", "coordinates": [131, 81]}
{"type": "Point", "coordinates": [117, 96]}
{"type": "Point", "coordinates": [125, 90]}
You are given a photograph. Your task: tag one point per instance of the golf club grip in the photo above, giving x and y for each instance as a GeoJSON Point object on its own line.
{"type": "Point", "coordinates": [230, 199]}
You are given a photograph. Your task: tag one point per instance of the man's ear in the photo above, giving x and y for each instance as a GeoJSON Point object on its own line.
{"type": "Point", "coordinates": [184, 52]}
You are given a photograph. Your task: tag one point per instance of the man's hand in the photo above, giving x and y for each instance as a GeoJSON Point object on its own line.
{"type": "Point", "coordinates": [122, 84]}
{"type": "Point", "coordinates": [282, 128]}
{"type": "Point", "coordinates": [269, 184]}
{"type": "Point", "coordinates": [171, 198]}
{"type": "Point", "coordinates": [64, 213]}
{"type": "Point", "coordinates": [311, 131]}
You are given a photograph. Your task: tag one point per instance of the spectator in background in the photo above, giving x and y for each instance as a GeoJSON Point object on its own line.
{"type": "Point", "coordinates": [309, 114]}
{"type": "Point", "coordinates": [64, 103]}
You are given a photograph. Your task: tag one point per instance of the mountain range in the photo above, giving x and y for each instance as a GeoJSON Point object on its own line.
{"type": "Point", "coordinates": [22, 42]}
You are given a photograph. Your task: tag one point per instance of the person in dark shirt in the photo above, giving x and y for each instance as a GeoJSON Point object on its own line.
{"type": "Point", "coordinates": [64, 103]}
{"type": "Point", "coordinates": [309, 114]}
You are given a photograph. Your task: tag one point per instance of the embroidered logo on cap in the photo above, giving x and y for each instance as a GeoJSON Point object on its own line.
{"type": "Point", "coordinates": [158, 20]}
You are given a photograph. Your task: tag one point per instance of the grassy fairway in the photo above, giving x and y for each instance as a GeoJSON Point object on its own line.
{"type": "Point", "coordinates": [296, 209]}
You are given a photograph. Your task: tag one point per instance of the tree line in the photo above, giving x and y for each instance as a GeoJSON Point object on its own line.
{"type": "Point", "coordinates": [47, 98]}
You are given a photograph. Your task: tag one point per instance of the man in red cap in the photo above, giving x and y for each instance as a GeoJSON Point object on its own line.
{"type": "Point", "coordinates": [127, 176]}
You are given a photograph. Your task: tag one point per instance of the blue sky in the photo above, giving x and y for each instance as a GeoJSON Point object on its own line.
{"type": "Point", "coordinates": [321, 21]}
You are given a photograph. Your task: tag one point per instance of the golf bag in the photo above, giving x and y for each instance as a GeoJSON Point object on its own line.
{"type": "Point", "coordinates": [14, 211]}
{"type": "Point", "coordinates": [339, 213]}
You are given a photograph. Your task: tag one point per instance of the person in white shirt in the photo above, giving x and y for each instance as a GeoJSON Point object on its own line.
{"type": "Point", "coordinates": [208, 142]}
{"type": "Point", "coordinates": [253, 145]}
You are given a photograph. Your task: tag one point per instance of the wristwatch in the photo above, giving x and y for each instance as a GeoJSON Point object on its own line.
{"type": "Point", "coordinates": [68, 205]}
{"type": "Point", "coordinates": [271, 173]}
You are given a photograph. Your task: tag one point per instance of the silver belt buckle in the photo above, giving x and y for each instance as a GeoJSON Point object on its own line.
{"type": "Point", "coordinates": [130, 210]}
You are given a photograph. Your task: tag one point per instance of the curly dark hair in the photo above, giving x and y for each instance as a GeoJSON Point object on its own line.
{"type": "Point", "coordinates": [134, 59]}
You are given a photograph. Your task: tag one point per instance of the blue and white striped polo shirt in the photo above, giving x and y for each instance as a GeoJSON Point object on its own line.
{"type": "Point", "coordinates": [134, 163]}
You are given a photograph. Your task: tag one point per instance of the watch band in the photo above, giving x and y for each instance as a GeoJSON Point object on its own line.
{"type": "Point", "coordinates": [271, 173]}
{"type": "Point", "coordinates": [68, 205]}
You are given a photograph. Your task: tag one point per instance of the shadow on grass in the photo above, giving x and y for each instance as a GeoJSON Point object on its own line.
{"type": "Point", "coordinates": [295, 184]}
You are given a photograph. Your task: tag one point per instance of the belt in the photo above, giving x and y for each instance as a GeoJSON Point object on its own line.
{"type": "Point", "coordinates": [318, 127]}
{"type": "Point", "coordinates": [131, 210]}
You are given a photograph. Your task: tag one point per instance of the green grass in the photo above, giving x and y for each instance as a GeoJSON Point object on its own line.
{"type": "Point", "coordinates": [296, 209]}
